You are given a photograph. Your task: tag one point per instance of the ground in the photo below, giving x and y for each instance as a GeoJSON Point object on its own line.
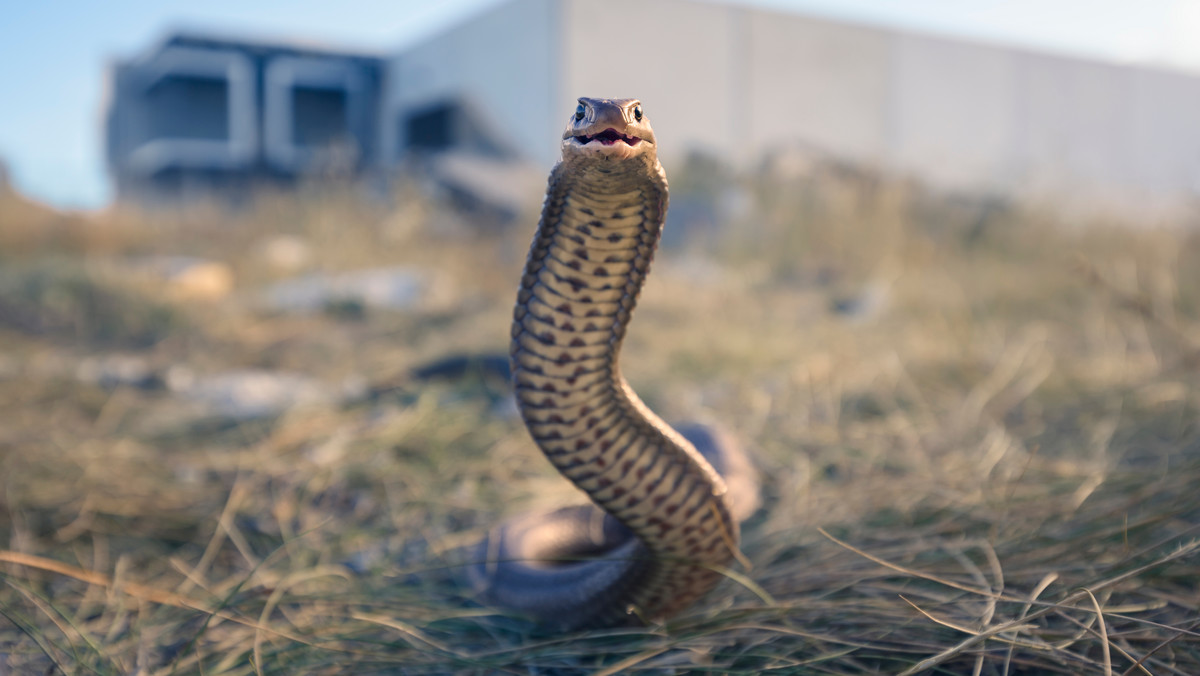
{"type": "Point", "coordinates": [978, 427]}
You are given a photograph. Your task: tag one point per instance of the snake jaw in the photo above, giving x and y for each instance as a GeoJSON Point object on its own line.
{"type": "Point", "coordinates": [607, 137]}
{"type": "Point", "coordinates": [609, 145]}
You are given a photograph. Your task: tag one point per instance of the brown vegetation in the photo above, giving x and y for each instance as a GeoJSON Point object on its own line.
{"type": "Point", "coordinates": [979, 433]}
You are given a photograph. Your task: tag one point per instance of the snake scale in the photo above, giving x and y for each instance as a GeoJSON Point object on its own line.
{"type": "Point", "coordinates": [668, 524]}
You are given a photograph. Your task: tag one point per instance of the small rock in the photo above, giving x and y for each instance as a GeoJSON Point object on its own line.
{"type": "Point", "coordinates": [287, 253]}
{"type": "Point", "coordinates": [117, 370]}
{"type": "Point", "coordinates": [187, 278]}
{"type": "Point", "coordinates": [250, 394]}
{"type": "Point", "coordinates": [387, 288]}
{"type": "Point", "coordinates": [868, 303]}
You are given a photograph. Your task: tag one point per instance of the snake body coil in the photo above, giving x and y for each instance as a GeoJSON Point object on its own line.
{"type": "Point", "coordinates": [667, 525]}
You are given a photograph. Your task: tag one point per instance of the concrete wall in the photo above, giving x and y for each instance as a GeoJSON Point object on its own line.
{"type": "Point", "coordinates": [1165, 124]}
{"type": "Point", "coordinates": [501, 65]}
{"type": "Point", "coordinates": [1085, 134]}
{"type": "Point", "coordinates": [952, 112]}
{"type": "Point", "coordinates": [1108, 131]}
{"type": "Point", "coordinates": [740, 82]}
{"type": "Point", "coordinates": [818, 83]}
{"type": "Point", "coordinates": [675, 56]}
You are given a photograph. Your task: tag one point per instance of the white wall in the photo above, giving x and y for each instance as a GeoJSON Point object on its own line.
{"type": "Point", "coordinates": [1165, 121]}
{"type": "Point", "coordinates": [1109, 134]}
{"type": "Point", "coordinates": [504, 62]}
{"type": "Point", "coordinates": [953, 112]}
{"type": "Point", "coordinates": [739, 82]}
{"type": "Point", "coordinates": [820, 83]}
{"type": "Point", "coordinates": [1090, 136]}
{"type": "Point", "coordinates": [1075, 131]}
{"type": "Point", "coordinates": [675, 56]}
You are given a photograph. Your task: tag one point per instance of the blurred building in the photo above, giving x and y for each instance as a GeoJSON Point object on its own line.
{"type": "Point", "coordinates": [204, 115]}
{"type": "Point", "coordinates": [733, 82]}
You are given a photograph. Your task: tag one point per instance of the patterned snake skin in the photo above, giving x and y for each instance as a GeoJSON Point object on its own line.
{"type": "Point", "coordinates": [668, 525]}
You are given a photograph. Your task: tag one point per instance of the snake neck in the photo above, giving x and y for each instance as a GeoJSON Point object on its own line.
{"type": "Point", "coordinates": [589, 259]}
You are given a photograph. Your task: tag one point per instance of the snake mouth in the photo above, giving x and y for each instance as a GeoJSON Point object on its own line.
{"type": "Point", "coordinates": [607, 137]}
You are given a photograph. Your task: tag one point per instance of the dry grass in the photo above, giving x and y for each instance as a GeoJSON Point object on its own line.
{"type": "Point", "coordinates": [994, 472]}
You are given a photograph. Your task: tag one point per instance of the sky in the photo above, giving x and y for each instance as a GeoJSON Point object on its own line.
{"type": "Point", "coordinates": [54, 53]}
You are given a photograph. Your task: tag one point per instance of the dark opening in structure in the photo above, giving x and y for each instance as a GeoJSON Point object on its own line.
{"type": "Point", "coordinates": [188, 107]}
{"type": "Point", "coordinates": [432, 128]}
{"type": "Point", "coordinates": [320, 116]}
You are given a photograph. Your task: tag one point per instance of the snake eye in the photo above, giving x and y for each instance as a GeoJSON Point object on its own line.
{"type": "Point", "coordinates": [579, 111]}
{"type": "Point", "coordinates": [637, 113]}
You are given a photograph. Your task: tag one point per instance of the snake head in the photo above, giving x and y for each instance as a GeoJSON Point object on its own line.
{"type": "Point", "coordinates": [609, 129]}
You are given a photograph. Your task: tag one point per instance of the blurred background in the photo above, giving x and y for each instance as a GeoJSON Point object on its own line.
{"type": "Point", "coordinates": [936, 263]}
{"type": "Point", "coordinates": [1047, 98]}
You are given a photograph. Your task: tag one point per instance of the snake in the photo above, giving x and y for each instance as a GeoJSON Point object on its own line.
{"type": "Point", "coordinates": [663, 526]}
